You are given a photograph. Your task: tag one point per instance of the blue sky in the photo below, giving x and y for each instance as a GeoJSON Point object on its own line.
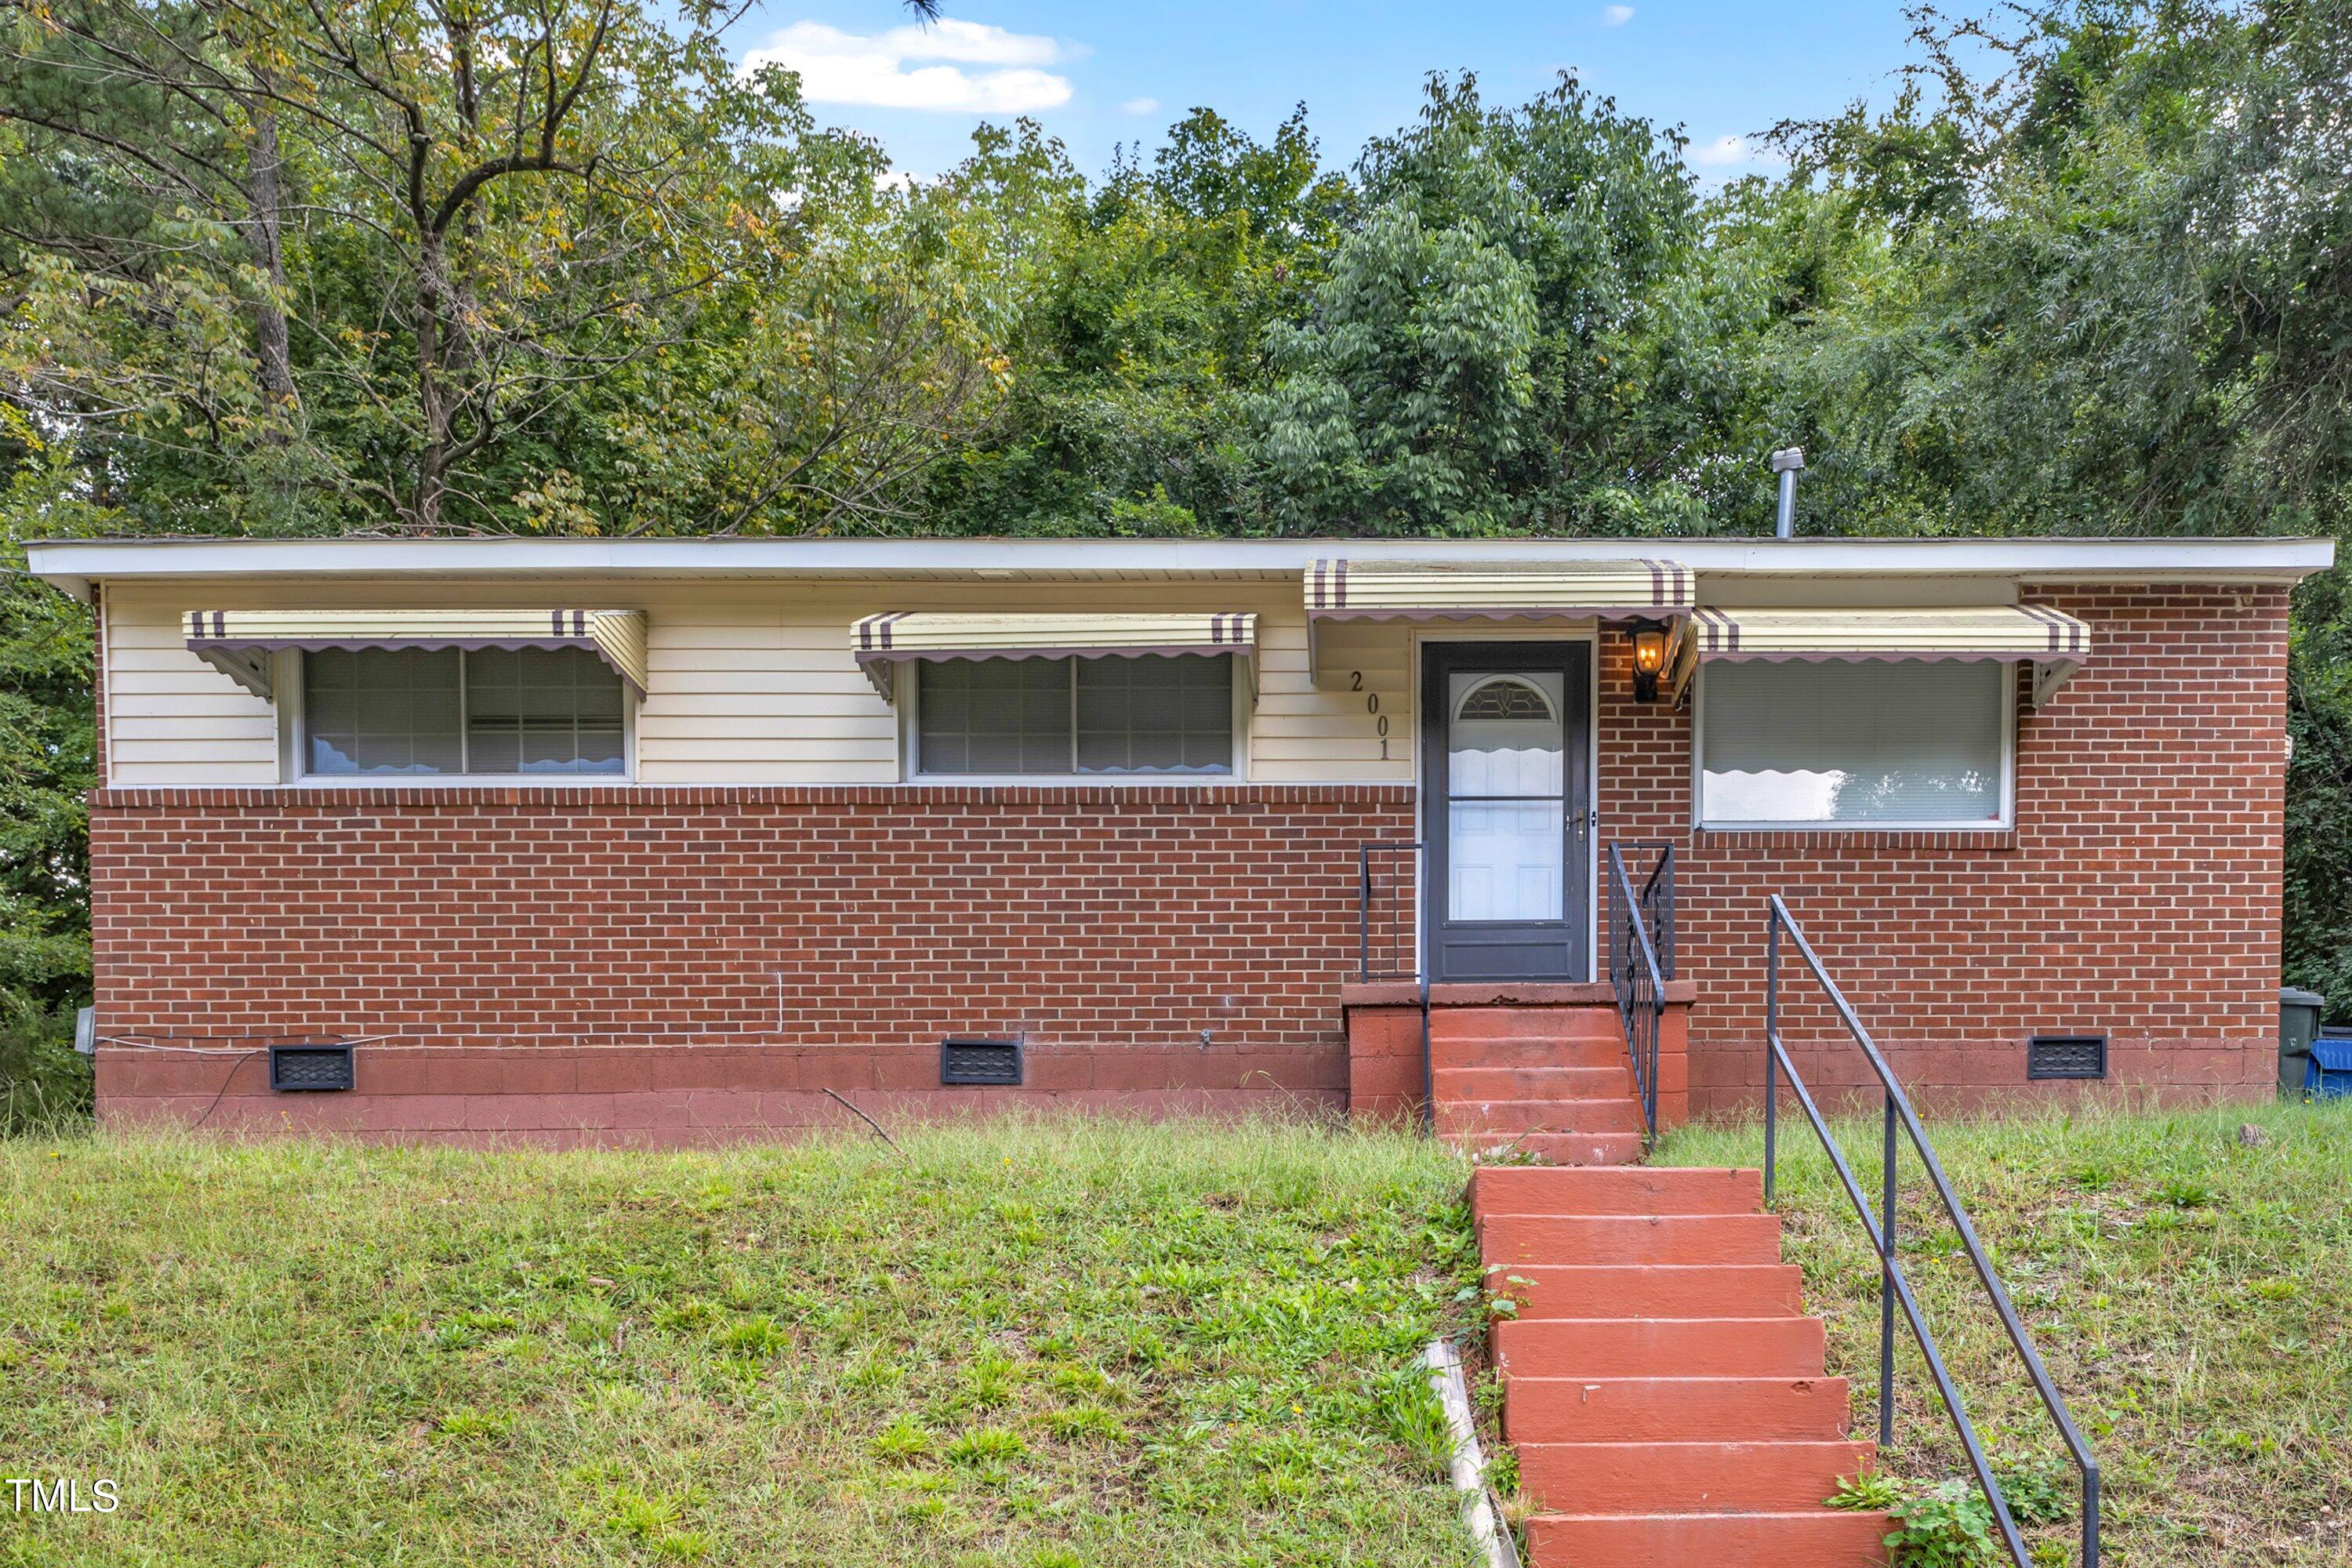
{"type": "Point", "coordinates": [1096, 75]}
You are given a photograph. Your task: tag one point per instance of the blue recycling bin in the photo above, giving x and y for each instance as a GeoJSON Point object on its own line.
{"type": "Point", "coordinates": [2329, 1075]}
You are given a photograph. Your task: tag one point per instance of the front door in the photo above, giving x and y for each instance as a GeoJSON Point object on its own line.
{"type": "Point", "coordinates": [1505, 738]}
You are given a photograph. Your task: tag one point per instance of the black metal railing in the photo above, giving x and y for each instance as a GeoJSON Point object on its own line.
{"type": "Point", "coordinates": [1894, 1286]}
{"type": "Point", "coordinates": [1641, 960]}
{"type": "Point", "coordinates": [1398, 934]}
{"type": "Point", "coordinates": [1388, 944]}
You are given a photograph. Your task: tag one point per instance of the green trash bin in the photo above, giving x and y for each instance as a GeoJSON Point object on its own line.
{"type": "Point", "coordinates": [2299, 1026]}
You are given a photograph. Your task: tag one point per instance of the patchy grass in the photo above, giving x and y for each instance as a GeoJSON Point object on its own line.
{"type": "Point", "coordinates": [1041, 1345]}
{"type": "Point", "coordinates": [2192, 1293]}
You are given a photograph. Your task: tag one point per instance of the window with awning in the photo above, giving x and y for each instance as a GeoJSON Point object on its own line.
{"type": "Point", "coordinates": [1869, 717]}
{"type": "Point", "coordinates": [239, 643]}
{"type": "Point", "coordinates": [881, 643]}
{"type": "Point", "coordinates": [2055, 642]}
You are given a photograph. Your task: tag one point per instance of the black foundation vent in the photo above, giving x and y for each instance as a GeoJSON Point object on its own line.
{"type": "Point", "coordinates": [295, 1070]}
{"type": "Point", "coordinates": [2066, 1055]}
{"type": "Point", "coordinates": [965, 1060]}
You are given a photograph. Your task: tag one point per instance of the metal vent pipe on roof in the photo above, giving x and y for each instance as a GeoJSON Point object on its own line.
{"type": "Point", "coordinates": [1788, 462]}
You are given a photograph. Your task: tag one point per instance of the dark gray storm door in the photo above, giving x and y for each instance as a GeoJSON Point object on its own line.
{"type": "Point", "coordinates": [1506, 750]}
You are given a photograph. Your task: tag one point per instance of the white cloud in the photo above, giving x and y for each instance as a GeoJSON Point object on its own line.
{"type": "Point", "coordinates": [1732, 153]}
{"type": "Point", "coordinates": [1142, 106]}
{"type": "Point", "coordinates": [1616, 15]}
{"type": "Point", "coordinates": [835, 66]}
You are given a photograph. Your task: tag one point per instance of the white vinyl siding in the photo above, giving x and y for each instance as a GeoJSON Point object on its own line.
{"type": "Point", "coordinates": [752, 682]}
{"type": "Point", "coordinates": [1871, 744]}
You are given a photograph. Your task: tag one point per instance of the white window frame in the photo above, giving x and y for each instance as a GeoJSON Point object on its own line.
{"type": "Point", "coordinates": [294, 746]}
{"type": "Point", "coordinates": [2002, 823]}
{"type": "Point", "coordinates": [908, 685]}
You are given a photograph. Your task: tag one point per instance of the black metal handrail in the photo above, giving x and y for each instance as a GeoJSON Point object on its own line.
{"type": "Point", "coordinates": [1894, 1286]}
{"type": "Point", "coordinates": [1401, 939]}
{"type": "Point", "coordinates": [1404, 937]}
{"type": "Point", "coordinates": [1641, 961]}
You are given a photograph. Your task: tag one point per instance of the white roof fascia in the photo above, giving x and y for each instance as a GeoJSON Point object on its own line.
{"type": "Point", "coordinates": [74, 565]}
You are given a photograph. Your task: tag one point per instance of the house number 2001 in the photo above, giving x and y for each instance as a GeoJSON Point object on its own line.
{"type": "Point", "coordinates": [1372, 706]}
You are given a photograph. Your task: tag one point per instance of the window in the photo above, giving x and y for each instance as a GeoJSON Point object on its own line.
{"type": "Point", "coordinates": [1149, 714]}
{"type": "Point", "coordinates": [1877, 744]}
{"type": "Point", "coordinates": [387, 711]}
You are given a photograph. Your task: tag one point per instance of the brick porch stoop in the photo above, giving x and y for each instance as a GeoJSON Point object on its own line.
{"type": "Point", "coordinates": [1663, 1388]}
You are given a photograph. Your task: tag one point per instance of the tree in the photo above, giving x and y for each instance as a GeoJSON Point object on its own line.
{"type": "Point", "coordinates": [469, 220]}
{"type": "Point", "coordinates": [1523, 332]}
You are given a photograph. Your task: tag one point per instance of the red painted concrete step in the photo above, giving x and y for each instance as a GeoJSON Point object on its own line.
{"type": "Point", "coordinates": [1555, 1149]}
{"type": "Point", "coordinates": [1670, 1409]}
{"type": "Point", "coordinates": [1816, 1538]}
{"type": "Point", "coordinates": [1650, 1290]}
{"type": "Point", "coordinates": [1775, 1477]}
{"type": "Point", "coordinates": [1612, 1081]}
{"type": "Point", "coordinates": [1535, 1056]}
{"type": "Point", "coordinates": [1649, 1189]}
{"type": "Point", "coordinates": [1661, 1347]}
{"type": "Point", "coordinates": [1512, 1116]}
{"type": "Point", "coordinates": [1598, 1021]}
{"type": "Point", "coordinates": [1661, 1388]}
{"type": "Point", "coordinates": [1588, 1239]}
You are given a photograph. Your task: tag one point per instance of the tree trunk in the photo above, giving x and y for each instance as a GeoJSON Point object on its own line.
{"type": "Point", "coordinates": [432, 461]}
{"type": "Point", "coordinates": [271, 345]}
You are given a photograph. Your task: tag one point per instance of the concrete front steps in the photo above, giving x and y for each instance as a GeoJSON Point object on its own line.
{"type": "Point", "coordinates": [1661, 1388]}
{"type": "Point", "coordinates": [1547, 1083]}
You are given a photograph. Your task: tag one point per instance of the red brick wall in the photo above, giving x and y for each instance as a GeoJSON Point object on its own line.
{"type": "Point", "coordinates": [585, 943]}
{"type": "Point", "coordinates": [2137, 896]}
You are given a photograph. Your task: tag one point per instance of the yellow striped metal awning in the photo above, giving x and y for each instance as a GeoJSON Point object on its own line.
{"type": "Point", "coordinates": [881, 643]}
{"type": "Point", "coordinates": [1422, 590]}
{"type": "Point", "coordinates": [2056, 644]}
{"type": "Point", "coordinates": [239, 642]}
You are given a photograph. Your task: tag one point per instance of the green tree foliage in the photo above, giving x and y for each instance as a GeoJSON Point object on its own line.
{"type": "Point", "coordinates": [1524, 331]}
{"type": "Point", "coordinates": [1142, 330]}
{"type": "Point", "coordinates": [318, 267]}
{"type": "Point", "coordinates": [2100, 289]}
{"type": "Point", "coordinates": [46, 731]}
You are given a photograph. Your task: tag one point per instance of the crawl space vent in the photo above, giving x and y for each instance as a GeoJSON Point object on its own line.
{"type": "Point", "coordinates": [296, 1069]}
{"type": "Point", "coordinates": [2066, 1055]}
{"type": "Point", "coordinates": [979, 1061]}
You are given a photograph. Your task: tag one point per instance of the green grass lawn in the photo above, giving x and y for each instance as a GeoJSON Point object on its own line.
{"type": "Point", "coordinates": [2191, 1294]}
{"type": "Point", "coordinates": [1058, 1343]}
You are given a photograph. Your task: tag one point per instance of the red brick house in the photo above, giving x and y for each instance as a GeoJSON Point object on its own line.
{"type": "Point", "coordinates": [667, 840]}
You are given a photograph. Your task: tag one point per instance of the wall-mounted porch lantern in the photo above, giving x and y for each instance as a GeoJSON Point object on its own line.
{"type": "Point", "coordinates": [1649, 659]}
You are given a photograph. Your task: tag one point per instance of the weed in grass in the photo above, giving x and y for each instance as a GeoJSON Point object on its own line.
{"type": "Point", "coordinates": [984, 1445]}
{"type": "Point", "coordinates": [1087, 1423]}
{"type": "Point", "coordinates": [903, 1438]}
{"type": "Point", "coordinates": [465, 1425]}
{"type": "Point", "coordinates": [1872, 1491]}
{"type": "Point", "coordinates": [753, 1339]}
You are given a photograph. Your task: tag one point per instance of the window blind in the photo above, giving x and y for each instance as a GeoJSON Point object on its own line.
{"type": "Point", "coordinates": [1882, 742]}
{"type": "Point", "coordinates": [453, 710]}
{"type": "Point", "coordinates": [1146, 714]}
